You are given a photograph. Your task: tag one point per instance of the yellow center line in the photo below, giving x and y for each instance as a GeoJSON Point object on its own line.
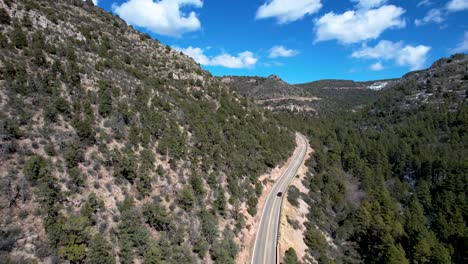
{"type": "Point", "coordinates": [268, 232]}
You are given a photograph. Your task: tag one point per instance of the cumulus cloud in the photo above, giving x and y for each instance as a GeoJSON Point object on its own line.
{"type": "Point", "coordinates": [162, 17]}
{"type": "Point", "coordinates": [377, 66]}
{"type": "Point", "coordinates": [280, 51]}
{"type": "Point", "coordinates": [244, 59]}
{"type": "Point", "coordinates": [360, 25]}
{"type": "Point", "coordinates": [463, 45]}
{"type": "Point", "coordinates": [457, 5]}
{"type": "Point", "coordinates": [433, 15]}
{"type": "Point", "coordinates": [413, 56]}
{"type": "Point", "coordinates": [286, 11]}
{"type": "Point", "coordinates": [366, 4]}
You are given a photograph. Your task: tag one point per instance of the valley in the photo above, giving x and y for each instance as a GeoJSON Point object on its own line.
{"type": "Point", "coordinates": [118, 148]}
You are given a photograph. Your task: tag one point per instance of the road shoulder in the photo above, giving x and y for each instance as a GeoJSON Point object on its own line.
{"type": "Point", "coordinates": [248, 234]}
{"type": "Point", "coordinates": [292, 235]}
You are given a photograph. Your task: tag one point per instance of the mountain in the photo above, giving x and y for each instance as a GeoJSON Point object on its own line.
{"type": "Point", "coordinates": [116, 148]}
{"type": "Point", "coordinates": [445, 76]}
{"type": "Point", "coordinates": [387, 183]}
{"type": "Point", "coordinates": [317, 97]}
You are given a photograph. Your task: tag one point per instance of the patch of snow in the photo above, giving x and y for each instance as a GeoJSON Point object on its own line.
{"type": "Point", "coordinates": [378, 86]}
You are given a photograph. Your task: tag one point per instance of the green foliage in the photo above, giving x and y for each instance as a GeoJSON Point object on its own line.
{"type": "Point", "coordinates": [74, 239]}
{"type": "Point", "coordinates": [389, 181]}
{"type": "Point", "coordinates": [4, 17]}
{"type": "Point", "coordinates": [157, 217]}
{"type": "Point", "coordinates": [252, 205]}
{"type": "Point", "coordinates": [220, 202]}
{"type": "Point", "coordinates": [131, 231]}
{"type": "Point", "coordinates": [105, 98]}
{"type": "Point", "coordinates": [36, 169]}
{"type": "Point", "coordinates": [73, 154]}
{"type": "Point", "coordinates": [84, 129]}
{"type": "Point", "coordinates": [186, 198]}
{"type": "Point", "coordinates": [125, 166]}
{"type": "Point", "coordinates": [100, 251]}
{"type": "Point", "coordinates": [290, 257]}
{"type": "Point", "coordinates": [18, 37]}
{"type": "Point", "coordinates": [77, 179]}
{"type": "Point", "coordinates": [92, 206]}
{"type": "Point", "coordinates": [224, 251]}
{"type": "Point", "coordinates": [293, 195]}
{"type": "Point", "coordinates": [153, 255]}
{"type": "Point", "coordinates": [315, 240]}
{"type": "Point", "coordinates": [209, 225]}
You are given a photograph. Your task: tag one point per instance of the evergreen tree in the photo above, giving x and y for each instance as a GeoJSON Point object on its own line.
{"type": "Point", "coordinates": [100, 251]}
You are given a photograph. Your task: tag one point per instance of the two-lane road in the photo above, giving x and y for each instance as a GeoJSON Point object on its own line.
{"type": "Point", "coordinates": [264, 251]}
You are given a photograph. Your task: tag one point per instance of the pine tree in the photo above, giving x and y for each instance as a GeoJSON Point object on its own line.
{"type": "Point", "coordinates": [100, 251]}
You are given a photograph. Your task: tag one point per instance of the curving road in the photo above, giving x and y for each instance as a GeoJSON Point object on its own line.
{"type": "Point", "coordinates": [264, 251]}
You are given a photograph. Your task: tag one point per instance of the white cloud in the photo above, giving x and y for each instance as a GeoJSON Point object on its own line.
{"type": "Point", "coordinates": [433, 15]}
{"type": "Point", "coordinates": [413, 56]}
{"type": "Point", "coordinates": [356, 26]}
{"type": "Point", "coordinates": [366, 4]}
{"type": "Point", "coordinates": [457, 5]}
{"type": "Point", "coordinates": [462, 46]}
{"type": "Point", "coordinates": [162, 17]}
{"type": "Point", "coordinates": [377, 66]}
{"type": "Point", "coordinates": [286, 11]}
{"type": "Point", "coordinates": [244, 59]}
{"type": "Point", "coordinates": [280, 51]}
{"type": "Point", "coordinates": [425, 3]}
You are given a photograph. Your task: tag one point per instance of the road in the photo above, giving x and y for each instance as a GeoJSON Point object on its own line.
{"type": "Point", "coordinates": [264, 251]}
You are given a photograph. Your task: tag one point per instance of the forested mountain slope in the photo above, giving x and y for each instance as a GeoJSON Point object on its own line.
{"type": "Point", "coordinates": [114, 147]}
{"type": "Point", "coordinates": [390, 182]}
{"type": "Point", "coordinates": [324, 96]}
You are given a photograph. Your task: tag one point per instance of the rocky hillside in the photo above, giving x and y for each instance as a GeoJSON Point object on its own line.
{"type": "Point", "coordinates": [445, 81]}
{"type": "Point", "coordinates": [445, 77]}
{"type": "Point", "coordinates": [116, 148]}
{"type": "Point", "coordinates": [317, 97]}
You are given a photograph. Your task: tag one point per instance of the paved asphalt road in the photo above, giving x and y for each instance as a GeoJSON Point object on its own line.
{"type": "Point", "coordinates": [264, 251]}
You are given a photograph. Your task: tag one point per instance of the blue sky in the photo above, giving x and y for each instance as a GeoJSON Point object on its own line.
{"type": "Point", "coordinates": [304, 40]}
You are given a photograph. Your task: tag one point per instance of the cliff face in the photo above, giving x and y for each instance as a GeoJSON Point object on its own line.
{"type": "Point", "coordinates": [113, 146]}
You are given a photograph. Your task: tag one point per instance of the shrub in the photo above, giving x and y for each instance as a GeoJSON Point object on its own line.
{"type": "Point", "coordinates": [290, 257]}
{"type": "Point", "coordinates": [186, 198]}
{"type": "Point", "coordinates": [4, 17]}
{"type": "Point", "coordinates": [36, 168]}
{"type": "Point", "coordinates": [77, 179]}
{"type": "Point", "coordinates": [293, 195]}
{"type": "Point", "coordinates": [18, 37]}
{"type": "Point", "coordinates": [100, 251]}
{"type": "Point", "coordinates": [156, 216]}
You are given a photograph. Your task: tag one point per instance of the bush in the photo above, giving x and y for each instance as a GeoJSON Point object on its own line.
{"type": "Point", "coordinates": [186, 198]}
{"type": "Point", "coordinates": [293, 195]}
{"type": "Point", "coordinates": [100, 251]}
{"type": "Point", "coordinates": [4, 17]}
{"type": "Point", "coordinates": [36, 169]}
{"type": "Point", "coordinates": [290, 257]}
{"type": "Point", "coordinates": [77, 179]}
{"type": "Point", "coordinates": [156, 216]}
{"type": "Point", "coordinates": [18, 37]}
